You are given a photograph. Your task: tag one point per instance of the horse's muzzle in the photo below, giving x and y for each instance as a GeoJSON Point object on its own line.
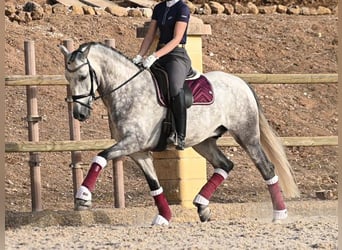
{"type": "Point", "coordinates": [80, 112]}
{"type": "Point", "coordinates": [80, 117]}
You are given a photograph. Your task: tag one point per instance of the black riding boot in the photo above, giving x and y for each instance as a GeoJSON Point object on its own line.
{"type": "Point", "coordinates": [179, 112]}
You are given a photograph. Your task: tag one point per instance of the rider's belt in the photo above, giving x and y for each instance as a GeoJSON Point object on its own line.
{"type": "Point", "coordinates": [161, 45]}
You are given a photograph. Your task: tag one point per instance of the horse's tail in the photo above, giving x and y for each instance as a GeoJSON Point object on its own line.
{"type": "Point", "coordinates": [276, 154]}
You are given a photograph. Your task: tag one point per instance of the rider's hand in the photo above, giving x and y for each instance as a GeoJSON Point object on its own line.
{"type": "Point", "coordinates": [138, 59]}
{"type": "Point", "coordinates": [147, 63]}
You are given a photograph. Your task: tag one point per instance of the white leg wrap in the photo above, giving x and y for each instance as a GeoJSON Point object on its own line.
{"type": "Point", "coordinates": [156, 192]}
{"type": "Point", "coordinates": [221, 172]}
{"type": "Point", "coordinates": [279, 214]}
{"type": "Point", "coordinates": [199, 199]}
{"type": "Point", "coordinates": [100, 160]}
{"type": "Point", "coordinates": [273, 180]}
{"type": "Point", "coordinates": [83, 193]}
{"type": "Point", "coordinates": [160, 220]}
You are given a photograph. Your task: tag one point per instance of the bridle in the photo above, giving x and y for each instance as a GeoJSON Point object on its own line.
{"type": "Point", "coordinates": [75, 98]}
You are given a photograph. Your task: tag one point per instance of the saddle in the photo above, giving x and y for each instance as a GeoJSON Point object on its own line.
{"type": "Point", "coordinates": [197, 89]}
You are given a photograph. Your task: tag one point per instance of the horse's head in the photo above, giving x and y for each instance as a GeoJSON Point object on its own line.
{"type": "Point", "coordinates": [82, 81]}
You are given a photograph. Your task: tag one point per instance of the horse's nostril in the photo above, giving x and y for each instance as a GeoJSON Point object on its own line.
{"type": "Point", "coordinates": [82, 117]}
{"type": "Point", "coordinates": [79, 116]}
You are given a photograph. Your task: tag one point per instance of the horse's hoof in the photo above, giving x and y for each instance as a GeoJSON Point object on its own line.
{"type": "Point", "coordinates": [81, 205]}
{"type": "Point", "coordinates": [160, 220]}
{"type": "Point", "coordinates": [275, 221]}
{"type": "Point", "coordinates": [204, 213]}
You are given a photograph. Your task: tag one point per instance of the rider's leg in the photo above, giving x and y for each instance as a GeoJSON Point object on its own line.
{"type": "Point", "coordinates": [177, 65]}
{"type": "Point", "coordinates": [179, 112]}
{"type": "Point", "coordinates": [178, 107]}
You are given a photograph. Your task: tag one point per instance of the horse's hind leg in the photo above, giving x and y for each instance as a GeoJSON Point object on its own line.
{"type": "Point", "coordinates": [266, 168]}
{"type": "Point", "coordinates": [144, 160]}
{"type": "Point", "coordinates": [209, 150]}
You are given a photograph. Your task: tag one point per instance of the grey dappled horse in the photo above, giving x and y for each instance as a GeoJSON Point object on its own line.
{"type": "Point", "coordinates": [136, 117]}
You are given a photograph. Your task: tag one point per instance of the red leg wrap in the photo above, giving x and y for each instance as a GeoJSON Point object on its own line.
{"type": "Point", "coordinates": [209, 188]}
{"type": "Point", "coordinates": [92, 175]}
{"type": "Point", "coordinates": [163, 206]}
{"type": "Point", "coordinates": [276, 196]}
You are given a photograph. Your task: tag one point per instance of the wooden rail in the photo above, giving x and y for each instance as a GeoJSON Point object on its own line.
{"type": "Point", "coordinates": [37, 80]}
{"type": "Point", "coordinates": [47, 80]}
{"type": "Point", "coordinates": [100, 144]}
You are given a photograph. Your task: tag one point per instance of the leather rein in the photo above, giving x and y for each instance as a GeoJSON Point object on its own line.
{"type": "Point", "coordinates": [75, 98]}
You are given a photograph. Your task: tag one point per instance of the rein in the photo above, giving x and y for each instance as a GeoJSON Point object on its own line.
{"type": "Point", "coordinates": [75, 98]}
{"type": "Point", "coordinates": [121, 85]}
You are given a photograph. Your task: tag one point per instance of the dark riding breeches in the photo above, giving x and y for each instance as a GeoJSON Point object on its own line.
{"type": "Point", "coordinates": [177, 65]}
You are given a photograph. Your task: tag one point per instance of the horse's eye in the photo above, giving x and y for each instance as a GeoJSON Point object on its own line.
{"type": "Point", "coordinates": [82, 78]}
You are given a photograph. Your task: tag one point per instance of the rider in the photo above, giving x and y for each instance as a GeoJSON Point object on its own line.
{"type": "Point", "coordinates": [172, 18]}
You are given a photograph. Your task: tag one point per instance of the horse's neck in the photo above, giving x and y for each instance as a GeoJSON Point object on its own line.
{"type": "Point", "coordinates": [115, 70]}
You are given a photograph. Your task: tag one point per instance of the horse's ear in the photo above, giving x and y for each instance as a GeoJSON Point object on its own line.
{"type": "Point", "coordinates": [86, 51]}
{"type": "Point", "coordinates": [64, 50]}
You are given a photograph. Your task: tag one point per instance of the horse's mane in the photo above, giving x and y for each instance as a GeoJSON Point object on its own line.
{"type": "Point", "coordinates": [84, 45]}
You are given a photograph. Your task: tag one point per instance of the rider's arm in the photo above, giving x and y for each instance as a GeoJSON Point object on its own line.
{"type": "Point", "coordinates": [149, 37]}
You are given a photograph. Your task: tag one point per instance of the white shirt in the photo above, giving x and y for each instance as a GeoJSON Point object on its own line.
{"type": "Point", "coordinates": [171, 3]}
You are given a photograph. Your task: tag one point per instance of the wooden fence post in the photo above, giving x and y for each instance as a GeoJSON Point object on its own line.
{"type": "Point", "coordinates": [75, 134]}
{"type": "Point", "coordinates": [33, 129]}
{"type": "Point", "coordinates": [118, 173]}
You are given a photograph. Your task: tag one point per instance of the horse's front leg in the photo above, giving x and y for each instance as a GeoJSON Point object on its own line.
{"type": "Point", "coordinates": [144, 160]}
{"type": "Point", "coordinates": [83, 194]}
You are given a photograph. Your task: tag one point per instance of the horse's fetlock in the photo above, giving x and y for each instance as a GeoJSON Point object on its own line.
{"type": "Point", "coordinates": [279, 215]}
{"type": "Point", "coordinates": [83, 193]}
